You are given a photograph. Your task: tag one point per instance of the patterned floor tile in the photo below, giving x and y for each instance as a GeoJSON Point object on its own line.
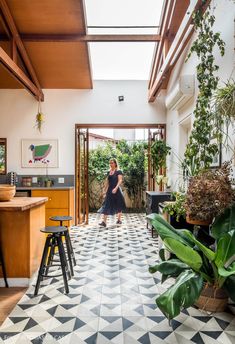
{"type": "Point", "coordinates": [112, 296]}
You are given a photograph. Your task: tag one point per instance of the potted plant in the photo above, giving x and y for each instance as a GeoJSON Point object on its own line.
{"type": "Point", "coordinates": [176, 208]}
{"type": "Point", "coordinates": [200, 271]}
{"type": "Point", "coordinates": [208, 194]}
{"type": "Point", "coordinates": [159, 152]}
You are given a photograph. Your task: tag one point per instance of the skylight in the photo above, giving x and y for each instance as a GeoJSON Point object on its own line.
{"type": "Point", "coordinates": [122, 60]}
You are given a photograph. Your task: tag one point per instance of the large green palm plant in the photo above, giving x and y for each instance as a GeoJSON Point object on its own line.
{"type": "Point", "coordinates": [194, 264]}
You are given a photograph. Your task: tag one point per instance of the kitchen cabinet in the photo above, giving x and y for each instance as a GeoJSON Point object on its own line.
{"type": "Point", "coordinates": [21, 240]}
{"type": "Point", "coordinates": [60, 203]}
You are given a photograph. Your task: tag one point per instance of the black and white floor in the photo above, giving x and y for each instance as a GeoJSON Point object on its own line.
{"type": "Point", "coordinates": [112, 297]}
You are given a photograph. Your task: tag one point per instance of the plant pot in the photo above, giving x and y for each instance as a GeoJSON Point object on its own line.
{"type": "Point", "coordinates": [212, 299]}
{"type": "Point", "coordinates": [7, 192]}
{"type": "Point", "coordinates": [48, 183]}
{"type": "Point", "coordinates": [198, 222]}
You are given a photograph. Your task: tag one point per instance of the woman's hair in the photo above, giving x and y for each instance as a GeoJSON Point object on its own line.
{"type": "Point", "coordinates": [115, 162]}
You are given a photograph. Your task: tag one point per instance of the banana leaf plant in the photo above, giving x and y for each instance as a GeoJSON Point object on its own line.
{"type": "Point", "coordinates": [193, 264]}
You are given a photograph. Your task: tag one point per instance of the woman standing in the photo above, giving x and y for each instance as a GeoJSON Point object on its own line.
{"type": "Point", "coordinates": [114, 202]}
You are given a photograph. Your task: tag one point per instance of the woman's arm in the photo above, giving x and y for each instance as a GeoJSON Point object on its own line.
{"type": "Point", "coordinates": [118, 184]}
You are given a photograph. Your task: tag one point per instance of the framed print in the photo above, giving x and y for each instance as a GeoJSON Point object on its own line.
{"type": "Point", "coordinates": [39, 153]}
{"type": "Point", "coordinates": [217, 158]}
{"type": "Point", "coordinates": [3, 156]}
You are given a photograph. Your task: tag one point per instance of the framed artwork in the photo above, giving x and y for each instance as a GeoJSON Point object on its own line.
{"type": "Point", "coordinates": [39, 153]}
{"type": "Point", "coordinates": [217, 158]}
{"type": "Point", "coordinates": [3, 156]}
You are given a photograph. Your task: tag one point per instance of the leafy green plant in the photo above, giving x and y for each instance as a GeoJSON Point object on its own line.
{"type": "Point", "coordinates": [224, 98]}
{"type": "Point", "coordinates": [224, 108]}
{"type": "Point", "coordinates": [159, 152]}
{"type": "Point", "coordinates": [194, 263]}
{"type": "Point", "coordinates": [132, 159]}
{"type": "Point", "coordinates": [177, 207]}
{"type": "Point", "coordinates": [200, 150]}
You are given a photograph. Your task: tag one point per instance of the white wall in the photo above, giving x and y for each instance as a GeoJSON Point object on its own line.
{"type": "Point", "coordinates": [64, 108]}
{"type": "Point", "coordinates": [176, 135]}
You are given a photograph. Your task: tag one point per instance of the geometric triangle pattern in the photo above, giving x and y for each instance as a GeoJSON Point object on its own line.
{"type": "Point", "coordinates": [111, 296]}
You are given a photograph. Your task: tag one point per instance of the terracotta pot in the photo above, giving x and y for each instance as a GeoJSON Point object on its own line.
{"type": "Point", "coordinates": [198, 222]}
{"type": "Point", "coordinates": [212, 299]}
{"type": "Point", "coordinates": [7, 192]}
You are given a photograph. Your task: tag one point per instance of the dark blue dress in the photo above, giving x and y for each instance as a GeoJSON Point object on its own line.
{"type": "Point", "coordinates": [113, 203]}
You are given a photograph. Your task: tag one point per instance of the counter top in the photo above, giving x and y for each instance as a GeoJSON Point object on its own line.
{"type": "Point", "coordinates": [44, 188]}
{"type": "Point", "coordinates": [22, 203]}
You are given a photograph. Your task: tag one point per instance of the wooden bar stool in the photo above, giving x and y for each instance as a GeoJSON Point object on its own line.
{"type": "Point", "coordinates": [53, 240]}
{"type": "Point", "coordinates": [69, 247]}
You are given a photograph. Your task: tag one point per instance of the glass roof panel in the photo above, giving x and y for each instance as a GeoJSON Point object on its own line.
{"type": "Point", "coordinates": [126, 60]}
{"type": "Point", "coordinates": [121, 61]}
{"type": "Point", "coordinates": [123, 12]}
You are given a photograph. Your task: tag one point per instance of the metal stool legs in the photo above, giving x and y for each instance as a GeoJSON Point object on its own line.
{"type": "Point", "coordinates": [69, 253]}
{"type": "Point", "coordinates": [63, 262]}
{"type": "Point", "coordinates": [69, 248]}
{"type": "Point", "coordinates": [43, 264]}
{"type": "Point", "coordinates": [52, 241]}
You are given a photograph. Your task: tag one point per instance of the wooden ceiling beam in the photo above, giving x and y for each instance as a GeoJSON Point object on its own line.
{"type": "Point", "coordinates": [5, 27]}
{"type": "Point", "coordinates": [178, 45]}
{"type": "Point", "coordinates": [168, 8]}
{"type": "Point", "coordinates": [85, 38]}
{"type": "Point", "coordinates": [16, 37]}
{"type": "Point", "coordinates": [18, 74]}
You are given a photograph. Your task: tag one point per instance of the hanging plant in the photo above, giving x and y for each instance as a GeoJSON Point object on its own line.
{"type": "Point", "coordinates": [224, 107]}
{"type": "Point", "coordinates": [159, 152]}
{"type": "Point", "coordinates": [39, 118]}
{"type": "Point", "coordinates": [200, 149]}
{"type": "Point", "coordinates": [224, 98]}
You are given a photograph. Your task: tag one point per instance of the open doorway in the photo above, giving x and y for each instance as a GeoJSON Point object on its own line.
{"type": "Point", "coordinates": [90, 136]}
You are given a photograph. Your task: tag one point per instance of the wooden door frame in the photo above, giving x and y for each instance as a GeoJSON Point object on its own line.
{"type": "Point", "coordinates": [105, 126]}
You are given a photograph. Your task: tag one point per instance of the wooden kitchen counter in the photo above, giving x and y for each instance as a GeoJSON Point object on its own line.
{"type": "Point", "coordinates": [22, 203]}
{"type": "Point", "coordinates": [21, 240]}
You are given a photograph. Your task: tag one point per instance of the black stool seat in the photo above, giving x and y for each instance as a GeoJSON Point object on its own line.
{"type": "Point", "coordinates": [54, 229]}
{"type": "Point", "coordinates": [61, 218]}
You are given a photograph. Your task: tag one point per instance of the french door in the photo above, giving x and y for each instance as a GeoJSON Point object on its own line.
{"type": "Point", "coordinates": [82, 194]}
{"type": "Point", "coordinates": [155, 132]}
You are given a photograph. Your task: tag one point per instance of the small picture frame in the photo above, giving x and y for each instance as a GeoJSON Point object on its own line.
{"type": "Point", "coordinates": [3, 156]}
{"type": "Point", "coordinates": [39, 153]}
{"type": "Point", "coordinates": [217, 158]}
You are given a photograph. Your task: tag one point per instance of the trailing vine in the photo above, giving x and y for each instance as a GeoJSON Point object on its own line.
{"type": "Point", "coordinates": [200, 150]}
{"type": "Point", "coordinates": [159, 152]}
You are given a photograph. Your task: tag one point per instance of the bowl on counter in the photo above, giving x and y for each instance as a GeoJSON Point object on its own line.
{"type": "Point", "coordinates": [7, 192]}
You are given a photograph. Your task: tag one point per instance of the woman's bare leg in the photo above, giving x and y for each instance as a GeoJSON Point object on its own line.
{"type": "Point", "coordinates": [119, 217]}
{"type": "Point", "coordinates": [105, 218]}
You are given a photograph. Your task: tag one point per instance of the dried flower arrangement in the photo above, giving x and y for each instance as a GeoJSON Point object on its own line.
{"type": "Point", "coordinates": [209, 194]}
